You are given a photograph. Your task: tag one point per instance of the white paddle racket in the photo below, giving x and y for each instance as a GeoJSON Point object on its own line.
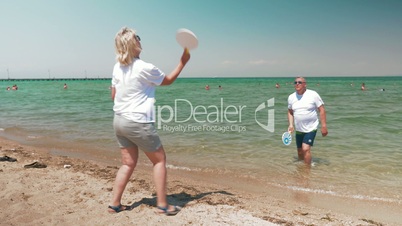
{"type": "Point", "coordinates": [186, 38]}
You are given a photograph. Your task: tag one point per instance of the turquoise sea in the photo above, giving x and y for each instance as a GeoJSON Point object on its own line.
{"type": "Point", "coordinates": [235, 130]}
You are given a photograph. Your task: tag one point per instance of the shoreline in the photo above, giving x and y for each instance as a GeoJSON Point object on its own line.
{"type": "Point", "coordinates": [80, 194]}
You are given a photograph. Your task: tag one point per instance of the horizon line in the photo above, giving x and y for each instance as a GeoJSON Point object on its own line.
{"type": "Point", "coordinates": [212, 77]}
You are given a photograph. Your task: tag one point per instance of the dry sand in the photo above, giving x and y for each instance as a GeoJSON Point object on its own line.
{"type": "Point", "coordinates": [79, 195]}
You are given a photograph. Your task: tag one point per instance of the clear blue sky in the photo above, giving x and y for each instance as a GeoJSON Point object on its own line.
{"type": "Point", "coordinates": [256, 38]}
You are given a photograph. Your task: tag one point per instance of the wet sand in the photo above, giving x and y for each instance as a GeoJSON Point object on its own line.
{"type": "Point", "coordinates": [79, 194]}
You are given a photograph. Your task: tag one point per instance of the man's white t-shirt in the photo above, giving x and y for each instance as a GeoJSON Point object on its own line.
{"type": "Point", "coordinates": [135, 90]}
{"type": "Point", "coordinates": [305, 110]}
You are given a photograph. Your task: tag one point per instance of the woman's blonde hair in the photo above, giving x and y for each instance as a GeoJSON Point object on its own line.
{"type": "Point", "coordinates": [126, 45]}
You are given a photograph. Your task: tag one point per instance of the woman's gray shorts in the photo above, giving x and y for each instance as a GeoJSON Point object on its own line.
{"type": "Point", "coordinates": [134, 134]}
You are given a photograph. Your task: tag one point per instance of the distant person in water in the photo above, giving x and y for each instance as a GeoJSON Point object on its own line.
{"type": "Point", "coordinates": [220, 87]}
{"type": "Point", "coordinates": [8, 88]}
{"type": "Point", "coordinates": [277, 86]}
{"type": "Point", "coordinates": [65, 86]}
{"type": "Point", "coordinates": [363, 86]}
{"type": "Point", "coordinates": [15, 87]}
{"type": "Point", "coordinates": [207, 87]}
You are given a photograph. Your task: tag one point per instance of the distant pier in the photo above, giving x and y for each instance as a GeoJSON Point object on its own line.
{"type": "Point", "coordinates": [52, 79]}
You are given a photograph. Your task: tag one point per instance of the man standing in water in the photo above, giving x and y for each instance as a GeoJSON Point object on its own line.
{"type": "Point", "coordinates": [302, 111]}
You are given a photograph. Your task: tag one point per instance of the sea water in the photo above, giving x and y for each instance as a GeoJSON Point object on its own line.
{"type": "Point", "coordinates": [232, 130]}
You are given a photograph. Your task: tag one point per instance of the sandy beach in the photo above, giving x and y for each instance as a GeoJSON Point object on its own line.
{"type": "Point", "coordinates": [73, 191]}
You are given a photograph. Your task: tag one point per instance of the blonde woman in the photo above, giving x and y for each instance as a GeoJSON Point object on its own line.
{"type": "Point", "coordinates": [133, 93]}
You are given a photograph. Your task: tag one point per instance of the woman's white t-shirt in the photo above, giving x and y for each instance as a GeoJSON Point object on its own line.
{"type": "Point", "coordinates": [305, 110]}
{"type": "Point", "coordinates": [135, 90]}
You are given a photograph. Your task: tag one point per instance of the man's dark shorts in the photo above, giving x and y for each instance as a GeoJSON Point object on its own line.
{"type": "Point", "coordinates": [307, 138]}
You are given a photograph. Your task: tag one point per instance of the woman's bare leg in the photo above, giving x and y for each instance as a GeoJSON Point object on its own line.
{"type": "Point", "coordinates": [158, 159]}
{"type": "Point", "coordinates": [129, 157]}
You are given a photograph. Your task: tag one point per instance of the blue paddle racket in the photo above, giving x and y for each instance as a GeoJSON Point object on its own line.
{"type": "Point", "coordinates": [287, 138]}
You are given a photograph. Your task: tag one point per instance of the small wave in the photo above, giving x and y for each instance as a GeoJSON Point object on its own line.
{"type": "Point", "coordinates": [181, 168]}
{"type": "Point", "coordinates": [360, 197]}
{"type": "Point", "coordinates": [169, 166]}
{"type": "Point", "coordinates": [31, 137]}
{"type": "Point", "coordinates": [318, 191]}
{"type": "Point", "coordinates": [363, 197]}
